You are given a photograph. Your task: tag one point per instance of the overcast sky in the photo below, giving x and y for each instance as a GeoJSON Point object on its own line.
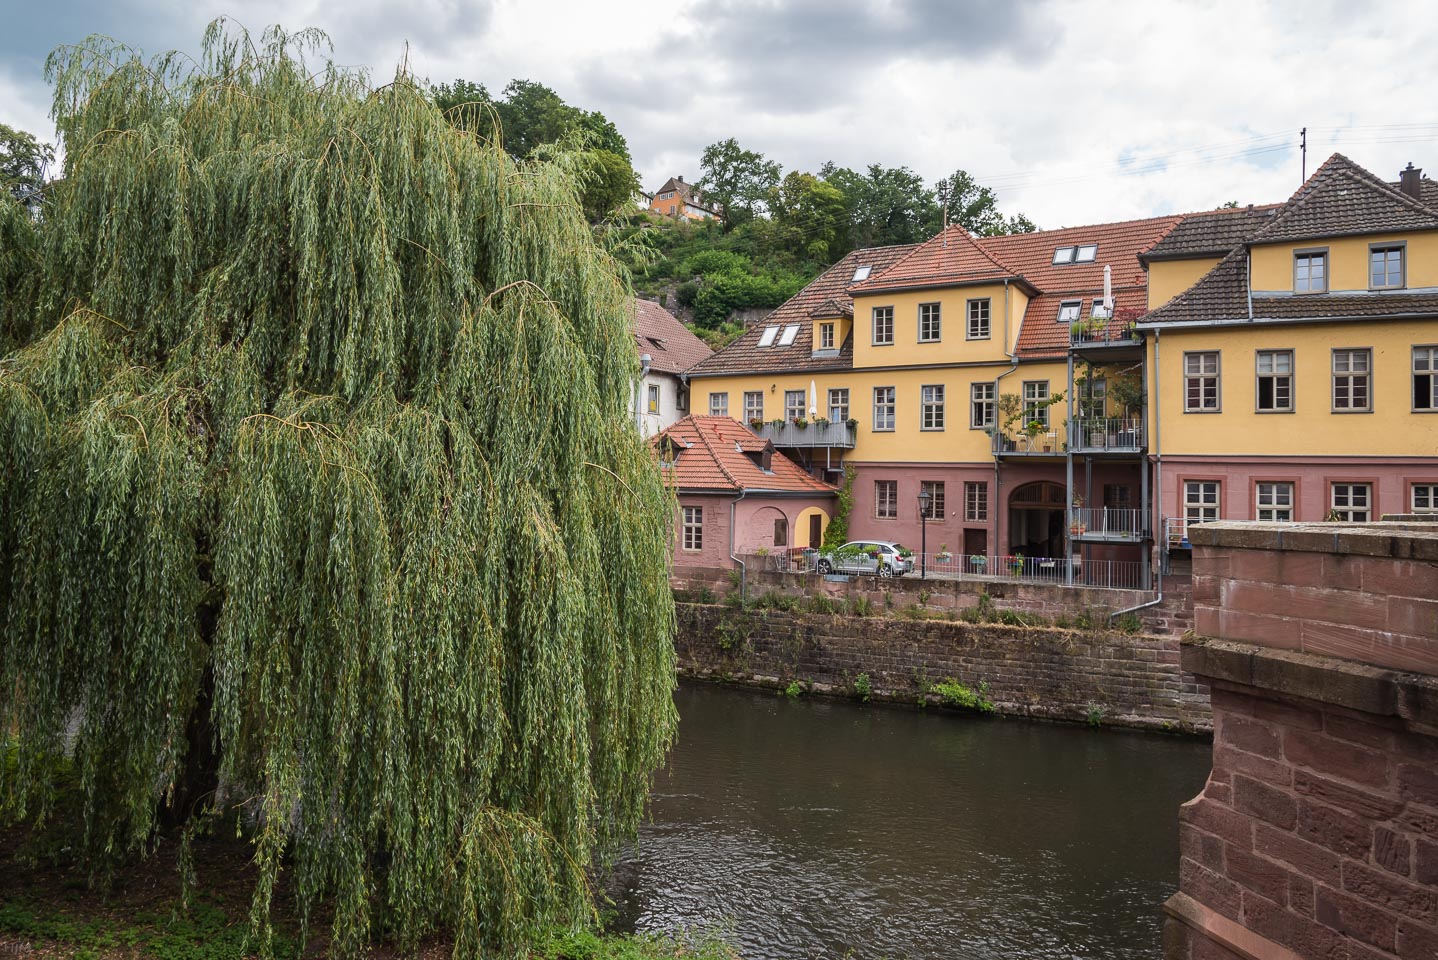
{"type": "Point", "coordinates": [1075, 112]}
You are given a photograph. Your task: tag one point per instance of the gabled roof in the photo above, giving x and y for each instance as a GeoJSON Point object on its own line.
{"type": "Point", "coordinates": [714, 456]}
{"type": "Point", "coordinates": [949, 258]}
{"type": "Point", "coordinates": [1340, 199]}
{"type": "Point", "coordinates": [688, 192]}
{"type": "Point", "coordinates": [833, 307]}
{"type": "Point", "coordinates": [1343, 199]}
{"type": "Point", "coordinates": [745, 354]}
{"type": "Point", "coordinates": [672, 347]}
{"type": "Point", "coordinates": [1212, 233]}
{"type": "Point", "coordinates": [1119, 246]}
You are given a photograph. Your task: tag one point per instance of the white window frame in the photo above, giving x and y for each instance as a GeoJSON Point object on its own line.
{"type": "Point", "coordinates": [794, 406]}
{"type": "Point", "coordinates": [936, 510]}
{"type": "Point", "coordinates": [1425, 368]}
{"type": "Point", "coordinates": [1385, 249]}
{"type": "Point", "coordinates": [976, 502]}
{"type": "Point", "coordinates": [753, 405]}
{"type": "Point", "coordinates": [886, 401]}
{"type": "Point", "coordinates": [719, 404]}
{"type": "Point", "coordinates": [980, 319]}
{"type": "Point", "coordinates": [1036, 406]}
{"type": "Point", "coordinates": [1348, 380]}
{"type": "Point", "coordinates": [931, 323]}
{"type": "Point", "coordinates": [693, 537]}
{"type": "Point", "coordinates": [931, 406]}
{"type": "Point", "coordinates": [886, 499]}
{"type": "Point", "coordinates": [1197, 369]}
{"type": "Point", "coordinates": [1351, 501]}
{"type": "Point", "coordinates": [1303, 272]}
{"type": "Point", "coordinates": [982, 413]}
{"type": "Point", "coordinates": [882, 322]}
{"type": "Point", "coordinates": [826, 335]}
{"type": "Point", "coordinates": [1202, 500]}
{"type": "Point", "coordinates": [1277, 366]}
{"type": "Point", "coordinates": [1423, 497]}
{"type": "Point", "coordinates": [653, 399]}
{"type": "Point", "coordinates": [1273, 500]}
{"type": "Point", "coordinates": [838, 404]}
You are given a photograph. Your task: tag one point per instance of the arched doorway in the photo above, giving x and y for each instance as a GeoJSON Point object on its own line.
{"type": "Point", "coordinates": [1036, 519]}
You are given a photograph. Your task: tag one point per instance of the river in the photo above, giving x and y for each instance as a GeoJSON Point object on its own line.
{"type": "Point", "coordinates": [809, 828]}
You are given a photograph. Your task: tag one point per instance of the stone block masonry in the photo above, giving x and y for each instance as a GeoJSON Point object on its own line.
{"type": "Point", "coordinates": [1317, 832]}
{"type": "Point", "coordinates": [1113, 678]}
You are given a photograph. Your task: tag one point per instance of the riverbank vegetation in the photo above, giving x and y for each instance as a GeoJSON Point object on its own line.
{"type": "Point", "coordinates": [323, 520]}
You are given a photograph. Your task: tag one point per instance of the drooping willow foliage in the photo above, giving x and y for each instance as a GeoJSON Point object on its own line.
{"type": "Point", "coordinates": [319, 498]}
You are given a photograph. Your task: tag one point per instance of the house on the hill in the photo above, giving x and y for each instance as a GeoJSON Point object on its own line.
{"type": "Point", "coordinates": [679, 199]}
{"type": "Point", "coordinates": [670, 348]}
{"type": "Point", "coordinates": [737, 497]}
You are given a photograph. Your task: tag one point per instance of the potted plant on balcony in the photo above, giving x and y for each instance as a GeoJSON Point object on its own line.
{"type": "Point", "coordinates": [777, 422]}
{"type": "Point", "coordinates": [756, 422]}
{"type": "Point", "coordinates": [800, 422]}
{"type": "Point", "coordinates": [1077, 525]}
{"type": "Point", "coordinates": [852, 424]}
{"type": "Point", "coordinates": [943, 556]}
{"type": "Point", "coordinates": [821, 421]}
{"type": "Point", "coordinates": [1016, 563]}
{"type": "Point", "coordinates": [1032, 429]}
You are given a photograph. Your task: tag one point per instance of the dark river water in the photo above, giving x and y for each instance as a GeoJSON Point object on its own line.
{"type": "Point", "coordinates": [820, 829]}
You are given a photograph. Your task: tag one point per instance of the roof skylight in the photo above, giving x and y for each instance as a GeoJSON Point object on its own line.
{"type": "Point", "coordinates": [861, 273]}
{"type": "Point", "coordinates": [1069, 310]}
{"type": "Point", "coordinates": [1064, 255]}
{"type": "Point", "coordinates": [1087, 252]}
{"type": "Point", "coordinates": [767, 338]}
{"type": "Point", "coordinates": [790, 332]}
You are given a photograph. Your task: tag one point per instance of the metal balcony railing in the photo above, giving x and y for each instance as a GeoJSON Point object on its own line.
{"type": "Point", "coordinates": [1048, 442]}
{"type": "Point", "coordinates": [1103, 333]}
{"type": "Point", "coordinates": [1175, 531]}
{"type": "Point", "coordinates": [1108, 523]}
{"type": "Point", "coordinates": [1107, 434]}
{"type": "Point", "coordinates": [812, 434]}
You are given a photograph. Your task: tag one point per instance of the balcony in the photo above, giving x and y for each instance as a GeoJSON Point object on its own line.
{"type": "Point", "coordinates": [1107, 435]}
{"type": "Point", "coordinates": [1175, 531]}
{"type": "Point", "coordinates": [1108, 524]}
{"type": "Point", "coordinates": [1104, 334]}
{"type": "Point", "coordinates": [1045, 443]}
{"type": "Point", "coordinates": [811, 435]}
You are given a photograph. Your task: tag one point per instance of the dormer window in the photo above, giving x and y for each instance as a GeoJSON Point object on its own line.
{"type": "Point", "coordinates": [1086, 253]}
{"type": "Point", "coordinates": [790, 332]}
{"type": "Point", "coordinates": [861, 273]}
{"type": "Point", "coordinates": [1069, 310]}
{"type": "Point", "coordinates": [766, 339]}
{"type": "Point", "coordinates": [1064, 255]}
{"type": "Point", "coordinates": [826, 336]}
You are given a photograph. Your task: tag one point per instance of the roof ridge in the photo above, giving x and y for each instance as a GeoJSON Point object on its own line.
{"type": "Point", "coordinates": [1334, 167]}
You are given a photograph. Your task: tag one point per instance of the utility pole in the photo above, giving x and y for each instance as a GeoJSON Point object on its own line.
{"type": "Point", "coordinates": [1303, 152]}
{"type": "Point", "coordinates": [943, 193]}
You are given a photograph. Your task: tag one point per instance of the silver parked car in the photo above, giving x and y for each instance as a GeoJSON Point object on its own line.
{"type": "Point", "coordinates": [883, 558]}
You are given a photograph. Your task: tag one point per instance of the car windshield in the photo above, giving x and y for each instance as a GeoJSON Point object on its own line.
{"type": "Point", "coordinates": [897, 548]}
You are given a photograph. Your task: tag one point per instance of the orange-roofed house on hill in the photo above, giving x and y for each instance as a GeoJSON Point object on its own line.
{"type": "Point", "coordinates": [666, 349]}
{"type": "Point", "coordinates": [737, 498]}
{"type": "Point", "coordinates": [679, 199]}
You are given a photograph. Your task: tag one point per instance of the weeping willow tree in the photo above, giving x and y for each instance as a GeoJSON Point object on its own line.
{"type": "Point", "coordinates": [320, 509]}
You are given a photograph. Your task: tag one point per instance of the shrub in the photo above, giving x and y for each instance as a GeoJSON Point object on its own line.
{"type": "Point", "coordinates": [1129, 623]}
{"type": "Point", "coordinates": [863, 687]}
{"type": "Point", "coordinates": [955, 694]}
{"type": "Point", "coordinates": [686, 293]}
{"type": "Point", "coordinates": [793, 690]}
{"type": "Point", "coordinates": [1095, 713]}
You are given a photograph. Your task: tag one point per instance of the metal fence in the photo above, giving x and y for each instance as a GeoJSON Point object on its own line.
{"type": "Point", "coordinates": [1007, 568]}
{"type": "Point", "coordinates": [1114, 522]}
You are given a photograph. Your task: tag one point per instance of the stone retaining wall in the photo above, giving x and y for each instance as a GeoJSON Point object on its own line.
{"type": "Point", "coordinates": [1094, 676]}
{"type": "Point", "coordinates": [1173, 616]}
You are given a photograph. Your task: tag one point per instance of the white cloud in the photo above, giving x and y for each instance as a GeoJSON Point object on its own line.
{"type": "Point", "coordinates": [1044, 100]}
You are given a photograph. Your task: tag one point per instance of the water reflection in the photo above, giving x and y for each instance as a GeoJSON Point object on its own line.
{"type": "Point", "coordinates": [818, 828]}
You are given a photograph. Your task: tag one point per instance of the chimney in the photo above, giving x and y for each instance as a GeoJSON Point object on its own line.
{"type": "Point", "coordinates": [1410, 181]}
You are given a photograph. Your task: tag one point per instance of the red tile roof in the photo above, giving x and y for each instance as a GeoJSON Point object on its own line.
{"type": "Point", "coordinates": [713, 454]}
{"type": "Point", "coordinates": [745, 355]}
{"type": "Point", "coordinates": [950, 257]}
{"type": "Point", "coordinates": [1119, 247]}
{"type": "Point", "coordinates": [672, 347]}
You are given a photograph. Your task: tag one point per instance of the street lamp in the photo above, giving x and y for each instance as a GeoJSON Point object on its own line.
{"type": "Point", "coordinates": [924, 498]}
